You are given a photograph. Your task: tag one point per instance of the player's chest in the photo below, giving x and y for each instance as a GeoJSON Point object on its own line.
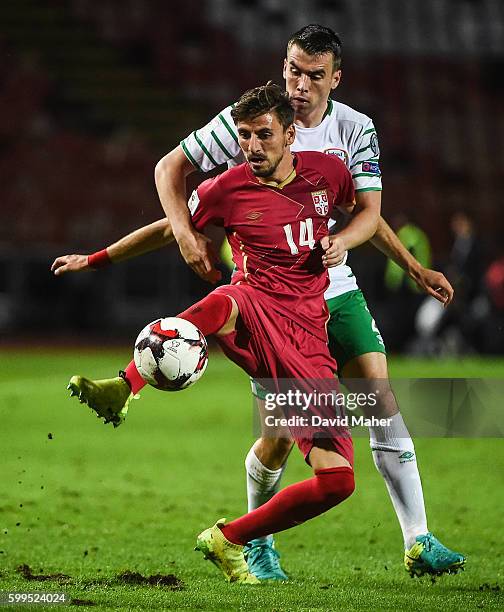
{"type": "Point", "coordinates": [292, 219]}
{"type": "Point", "coordinates": [332, 142]}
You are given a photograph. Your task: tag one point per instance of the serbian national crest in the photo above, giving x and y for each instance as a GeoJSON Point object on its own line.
{"type": "Point", "coordinates": [320, 201]}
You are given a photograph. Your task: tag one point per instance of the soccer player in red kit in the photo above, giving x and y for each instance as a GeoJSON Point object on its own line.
{"type": "Point", "coordinates": [271, 320]}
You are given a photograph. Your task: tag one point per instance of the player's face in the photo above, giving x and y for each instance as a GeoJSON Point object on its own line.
{"type": "Point", "coordinates": [309, 80]}
{"type": "Point", "coordinates": [265, 143]}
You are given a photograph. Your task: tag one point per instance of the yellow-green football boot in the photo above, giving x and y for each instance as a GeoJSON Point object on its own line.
{"type": "Point", "coordinates": [228, 557]}
{"type": "Point", "coordinates": [109, 398]}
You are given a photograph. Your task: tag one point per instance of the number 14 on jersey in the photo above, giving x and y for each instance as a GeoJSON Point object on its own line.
{"type": "Point", "coordinates": [305, 236]}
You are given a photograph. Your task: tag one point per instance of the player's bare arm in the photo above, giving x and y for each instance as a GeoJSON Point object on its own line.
{"type": "Point", "coordinates": [432, 282]}
{"type": "Point", "coordinates": [361, 227]}
{"type": "Point", "coordinates": [170, 176]}
{"type": "Point", "coordinates": [141, 241]}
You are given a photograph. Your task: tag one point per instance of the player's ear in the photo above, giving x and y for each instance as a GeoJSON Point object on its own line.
{"type": "Point", "coordinates": [290, 134]}
{"type": "Point", "coordinates": [284, 72]}
{"type": "Point", "coordinates": [336, 78]}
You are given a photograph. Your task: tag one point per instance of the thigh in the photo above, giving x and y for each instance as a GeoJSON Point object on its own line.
{"type": "Point", "coordinates": [323, 459]}
{"type": "Point", "coordinates": [368, 373]}
{"type": "Point", "coordinates": [305, 356]}
{"type": "Point", "coordinates": [352, 331]}
{"type": "Point", "coordinates": [311, 370]}
{"type": "Point", "coordinates": [256, 341]}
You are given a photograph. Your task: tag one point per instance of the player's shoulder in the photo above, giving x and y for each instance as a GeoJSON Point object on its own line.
{"type": "Point", "coordinates": [221, 124]}
{"type": "Point", "coordinates": [343, 113]}
{"type": "Point", "coordinates": [224, 116]}
{"type": "Point", "coordinates": [225, 181]}
{"type": "Point", "coordinates": [233, 176]}
{"type": "Point", "coordinates": [225, 121]}
{"type": "Point", "coordinates": [227, 111]}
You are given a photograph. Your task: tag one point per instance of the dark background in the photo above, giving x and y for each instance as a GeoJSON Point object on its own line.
{"type": "Point", "coordinates": [92, 94]}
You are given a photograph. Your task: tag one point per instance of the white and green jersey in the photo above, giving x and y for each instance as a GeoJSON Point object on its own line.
{"type": "Point", "coordinates": [343, 132]}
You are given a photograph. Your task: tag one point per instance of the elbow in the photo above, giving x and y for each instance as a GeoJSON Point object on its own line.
{"type": "Point", "coordinates": [164, 231]}
{"type": "Point", "coordinates": [167, 232]}
{"type": "Point", "coordinates": [372, 231]}
{"type": "Point", "coordinates": [162, 169]}
{"type": "Point", "coordinates": [373, 218]}
{"type": "Point", "coordinates": [174, 166]}
{"type": "Point", "coordinates": [374, 227]}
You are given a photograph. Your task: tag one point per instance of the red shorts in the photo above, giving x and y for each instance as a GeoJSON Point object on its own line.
{"type": "Point", "coordinates": [270, 346]}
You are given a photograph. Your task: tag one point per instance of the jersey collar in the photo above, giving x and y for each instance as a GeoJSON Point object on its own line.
{"type": "Point", "coordinates": [328, 109]}
{"type": "Point", "coordinates": [327, 113]}
{"type": "Point", "coordinates": [287, 180]}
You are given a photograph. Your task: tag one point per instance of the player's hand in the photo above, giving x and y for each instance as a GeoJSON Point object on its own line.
{"type": "Point", "coordinates": [435, 284]}
{"type": "Point", "coordinates": [70, 263]}
{"type": "Point", "coordinates": [335, 250]}
{"type": "Point", "coordinates": [196, 249]}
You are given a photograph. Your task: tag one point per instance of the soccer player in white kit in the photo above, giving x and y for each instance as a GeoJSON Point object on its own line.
{"type": "Point", "coordinates": [312, 71]}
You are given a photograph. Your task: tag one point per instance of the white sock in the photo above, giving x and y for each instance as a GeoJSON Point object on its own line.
{"type": "Point", "coordinates": [262, 483]}
{"type": "Point", "coordinates": [395, 459]}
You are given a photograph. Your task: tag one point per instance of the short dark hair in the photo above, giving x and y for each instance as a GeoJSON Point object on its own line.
{"type": "Point", "coordinates": [269, 98]}
{"type": "Point", "coordinates": [315, 39]}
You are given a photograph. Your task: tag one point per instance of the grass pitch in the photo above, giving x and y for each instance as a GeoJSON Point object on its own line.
{"type": "Point", "coordinates": [106, 507]}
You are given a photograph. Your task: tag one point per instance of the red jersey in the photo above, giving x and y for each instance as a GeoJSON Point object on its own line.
{"type": "Point", "coordinates": [275, 231]}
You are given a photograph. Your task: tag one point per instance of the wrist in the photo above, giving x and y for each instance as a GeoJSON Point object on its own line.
{"type": "Point", "coordinates": [100, 259]}
{"type": "Point", "coordinates": [342, 240]}
{"type": "Point", "coordinates": [414, 269]}
{"type": "Point", "coordinates": [182, 230]}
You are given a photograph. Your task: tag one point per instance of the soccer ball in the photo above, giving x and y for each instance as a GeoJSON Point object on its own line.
{"type": "Point", "coordinates": [171, 354]}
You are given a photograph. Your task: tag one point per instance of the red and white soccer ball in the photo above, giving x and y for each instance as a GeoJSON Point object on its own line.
{"type": "Point", "coordinates": [171, 354]}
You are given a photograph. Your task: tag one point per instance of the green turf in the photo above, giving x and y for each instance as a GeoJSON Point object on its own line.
{"type": "Point", "coordinates": [93, 502]}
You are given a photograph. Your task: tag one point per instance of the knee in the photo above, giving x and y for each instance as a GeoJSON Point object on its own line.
{"type": "Point", "coordinates": [385, 404]}
{"type": "Point", "coordinates": [346, 487]}
{"type": "Point", "coordinates": [273, 452]}
{"type": "Point", "coordinates": [337, 487]}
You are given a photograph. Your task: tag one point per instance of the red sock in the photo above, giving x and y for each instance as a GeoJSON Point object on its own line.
{"type": "Point", "coordinates": [293, 505]}
{"type": "Point", "coordinates": [132, 376]}
{"type": "Point", "coordinates": [209, 315]}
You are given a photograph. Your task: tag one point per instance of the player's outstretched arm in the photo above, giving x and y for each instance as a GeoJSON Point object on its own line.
{"type": "Point", "coordinates": [432, 282]}
{"type": "Point", "coordinates": [170, 176]}
{"type": "Point", "coordinates": [360, 228]}
{"type": "Point", "coordinates": [143, 240]}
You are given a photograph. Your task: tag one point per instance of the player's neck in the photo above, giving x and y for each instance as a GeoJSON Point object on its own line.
{"type": "Point", "coordinates": [313, 119]}
{"type": "Point", "coordinates": [282, 173]}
